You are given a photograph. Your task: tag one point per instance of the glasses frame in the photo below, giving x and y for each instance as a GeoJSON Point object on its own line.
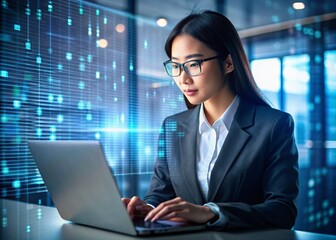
{"type": "Point", "coordinates": [182, 65]}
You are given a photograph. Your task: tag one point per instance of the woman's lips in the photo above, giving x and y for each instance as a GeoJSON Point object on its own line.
{"type": "Point", "coordinates": [190, 92]}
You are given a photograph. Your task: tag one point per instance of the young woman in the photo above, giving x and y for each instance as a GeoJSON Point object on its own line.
{"type": "Point", "coordinates": [230, 160]}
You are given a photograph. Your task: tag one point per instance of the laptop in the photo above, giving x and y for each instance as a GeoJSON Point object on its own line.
{"type": "Point", "coordinates": [84, 190]}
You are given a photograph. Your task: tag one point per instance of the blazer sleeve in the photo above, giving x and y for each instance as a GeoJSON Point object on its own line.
{"type": "Point", "coordinates": [279, 184]}
{"type": "Point", "coordinates": [161, 188]}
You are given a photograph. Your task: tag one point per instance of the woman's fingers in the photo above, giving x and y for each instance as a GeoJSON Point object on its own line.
{"type": "Point", "coordinates": [133, 203]}
{"type": "Point", "coordinates": [168, 208]}
{"type": "Point", "coordinates": [181, 210]}
{"type": "Point", "coordinates": [136, 207]}
{"type": "Point", "coordinates": [125, 201]}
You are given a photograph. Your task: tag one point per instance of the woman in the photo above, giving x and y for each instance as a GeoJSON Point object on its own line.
{"type": "Point", "coordinates": [230, 160]}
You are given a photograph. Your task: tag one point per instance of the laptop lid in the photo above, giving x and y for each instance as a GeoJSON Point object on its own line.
{"type": "Point", "coordinates": [84, 190]}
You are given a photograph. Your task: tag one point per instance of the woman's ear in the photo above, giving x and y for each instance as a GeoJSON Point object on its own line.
{"type": "Point", "coordinates": [228, 64]}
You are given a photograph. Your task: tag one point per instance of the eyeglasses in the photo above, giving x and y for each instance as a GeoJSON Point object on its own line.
{"type": "Point", "coordinates": [192, 67]}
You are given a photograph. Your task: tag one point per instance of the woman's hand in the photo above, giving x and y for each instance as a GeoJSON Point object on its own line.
{"type": "Point", "coordinates": [178, 208]}
{"type": "Point", "coordinates": [136, 207]}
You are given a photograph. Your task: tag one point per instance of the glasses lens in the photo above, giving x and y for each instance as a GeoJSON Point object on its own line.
{"type": "Point", "coordinates": [173, 69]}
{"type": "Point", "coordinates": [192, 68]}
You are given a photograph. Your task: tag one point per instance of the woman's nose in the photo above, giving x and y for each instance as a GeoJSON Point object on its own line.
{"type": "Point", "coordinates": [184, 77]}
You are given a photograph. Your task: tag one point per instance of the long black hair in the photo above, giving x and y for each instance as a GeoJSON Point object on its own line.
{"type": "Point", "coordinates": [218, 33]}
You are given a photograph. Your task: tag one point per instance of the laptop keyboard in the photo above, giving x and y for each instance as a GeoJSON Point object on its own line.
{"type": "Point", "coordinates": [145, 224]}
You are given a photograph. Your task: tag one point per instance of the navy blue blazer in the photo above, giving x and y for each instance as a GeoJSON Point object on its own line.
{"type": "Point", "coordinates": [255, 178]}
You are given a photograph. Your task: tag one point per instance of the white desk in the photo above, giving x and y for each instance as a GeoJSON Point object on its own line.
{"type": "Point", "coordinates": [29, 221]}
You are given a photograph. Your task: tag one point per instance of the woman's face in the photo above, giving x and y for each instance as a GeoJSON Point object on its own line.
{"type": "Point", "coordinates": [209, 85]}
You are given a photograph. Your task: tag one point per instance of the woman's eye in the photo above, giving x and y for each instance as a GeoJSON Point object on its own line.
{"type": "Point", "coordinates": [175, 66]}
{"type": "Point", "coordinates": [193, 64]}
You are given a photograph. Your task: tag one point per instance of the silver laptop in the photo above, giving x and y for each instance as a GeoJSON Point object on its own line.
{"type": "Point", "coordinates": [84, 190]}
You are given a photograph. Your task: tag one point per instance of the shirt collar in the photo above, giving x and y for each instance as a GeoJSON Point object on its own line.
{"type": "Point", "coordinates": [226, 118]}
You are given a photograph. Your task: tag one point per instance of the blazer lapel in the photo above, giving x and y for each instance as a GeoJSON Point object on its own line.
{"type": "Point", "coordinates": [188, 158]}
{"type": "Point", "coordinates": [232, 146]}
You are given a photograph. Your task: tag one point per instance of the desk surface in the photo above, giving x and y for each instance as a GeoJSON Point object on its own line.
{"type": "Point", "coordinates": [29, 221]}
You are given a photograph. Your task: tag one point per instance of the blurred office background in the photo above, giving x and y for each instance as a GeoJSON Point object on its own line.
{"type": "Point", "coordinates": [93, 70]}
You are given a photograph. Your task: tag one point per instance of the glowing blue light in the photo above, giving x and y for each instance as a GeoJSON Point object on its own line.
{"type": "Point", "coordinates": [311, 193]}
{"type": "Point", "coordinates": [325, 204]}
{"type": "Point", "coordinates": [161, 143]}
{"type": "Point", "coordinates": [275, 18]}
{"type": "Point", "coordinates": [5, 170]}
{"type": "Point", "coordinates": [80, 105]}
{"type": "Point", "coordinates": [298, 27]}
{"type": "Point", "coordinates": [81, 11]}
{"type": "Point", "coordinates": [82, 67]}
{"type": "Point", "coordinates": [89, 58]}
{"type": "Point", "coordinates": [60, 67]}
{"type": "Point", "coordinates": [89, 116]}
{"type": "Point", "coordinates": [16, 184]}
{"type": "Point", "coordinates": [4, 73]}
{"type": "Point", "coordinates": [318, 58]}
{"type": "Point", "coordinates": [39, 214]}
{"type": "Point", "coordinates": [311, 182]}
{"type": "Point", "coordinates": [52, 137]}
{"type": "Point", "coordinates": [88, 105]}
{"type": "Point", "coordinates": [4, 118]}
{"type": "Point", "coordinates": [17, 27]}
{"type": "Point", "coordinates": [161, 153]}
{"type": "Point", "coordinates": [24, 97]}
{"type": "Point", "coordinates": [114, 65]}
{"type": "Point", "coordinates": [39, 14]}
{"type": "Point", "coordinates": [28, 229]}
{"type": "Point", "coordinates": [105, 20]}
{"type": "Point", "coordinates": [16, 104]}
{"type": "Point", "coordinates": [69, 21]}
{"type": "Point", "coordinates": [69, 56]}
{"type": "Point", "coordinates": [116, 99]}
{"type": "Point", "coordinates": [38, 60]}
{"type": "Point", "coordinates": [122, 118]}
{"type": "Point", "coordinates": [60, 99]}
{"type": "Point", "coordinates": [311, 218]}
{"type": "Point", "coordinates": [28, 45]}
{"type": "Point", "coordinates": [50, 97]}
{"type": "Point", "coordinates": [4, 4]}
{"type": "Point", "coordinates": [114, 86]}
{"type": "Point", "coordinates": [50, 7]}
{"type": "Point", "coordinates": [81, 85]}
{"type": "Point", "coordinates": [318, 34]}
{"type": "Point", "coordinates": [145, 44]}
{"type": "Point", "coordinates": [89, 30]}
{"type": "Point", "coordinates": [97, 135]}
{"type": "Point", "coordinates": [148, 150]}
{"type": "Point", "coordinates": [39, 111]}
{"type": "Point", "coordinates": [60, 118]}
{"type": "Point", "coordinates": [131, 67]}
{"type": "Point", "coordinates": [39, 132]}
{"type": "Point", "coordinates": [52, 129]}
{"type": "Point", "coordinates": [98, 75]}
{"type": "Point", "coordinates": [28, 11]}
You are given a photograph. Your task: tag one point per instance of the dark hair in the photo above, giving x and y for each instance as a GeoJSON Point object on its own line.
{"type": "Point", "coordinates": [218, 33]}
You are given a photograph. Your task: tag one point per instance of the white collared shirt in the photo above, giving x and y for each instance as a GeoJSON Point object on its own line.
{"type": "Point", "coordinates": [210, 140]}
